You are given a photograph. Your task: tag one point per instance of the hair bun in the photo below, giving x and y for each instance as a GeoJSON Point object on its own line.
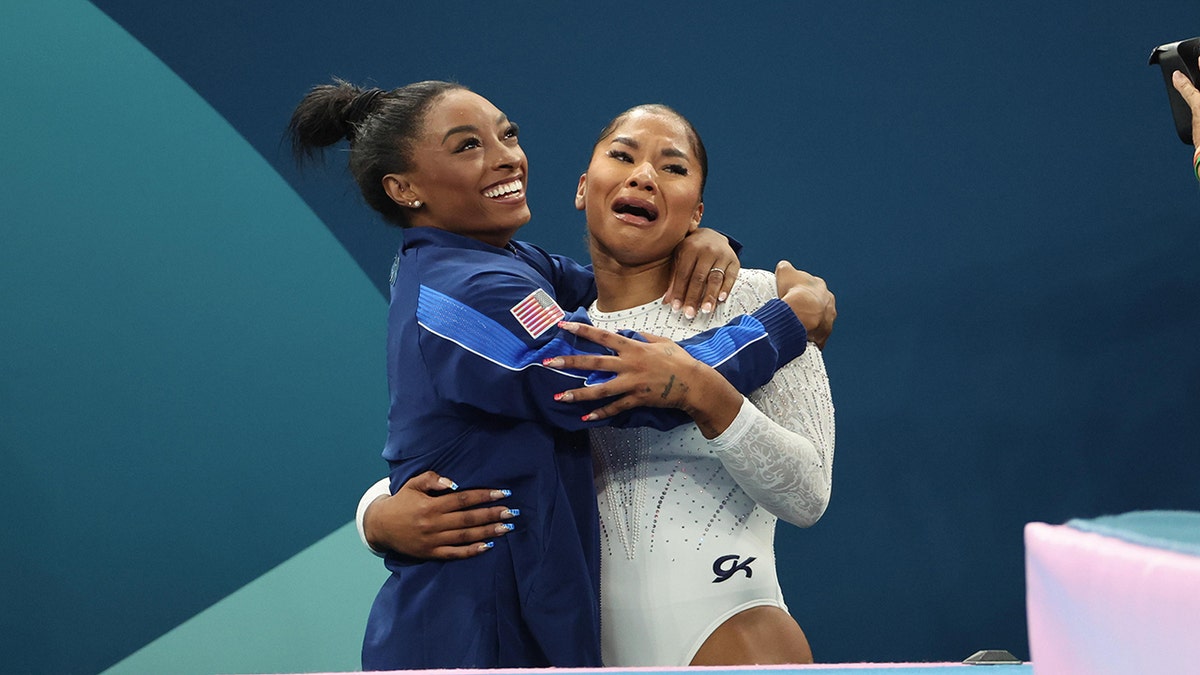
{"type": "Point", "coordinates": [360, 107]}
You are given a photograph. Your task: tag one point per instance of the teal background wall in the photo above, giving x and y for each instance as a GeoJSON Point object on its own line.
{"type": "Point", "coordinates": [191, 330]}
{"type": "Point", "coordinates": [191, 384]}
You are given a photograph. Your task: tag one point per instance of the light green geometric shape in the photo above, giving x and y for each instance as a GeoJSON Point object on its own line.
{"type": "Point", "coordinates": [307, 615]}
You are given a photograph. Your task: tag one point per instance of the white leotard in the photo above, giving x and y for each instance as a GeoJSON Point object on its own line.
{"type": "Point", "coordinates": [688, 524]}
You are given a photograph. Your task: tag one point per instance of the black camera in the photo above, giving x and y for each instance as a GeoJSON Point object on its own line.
{"type": "Point", "coordinates": [1179, 56]}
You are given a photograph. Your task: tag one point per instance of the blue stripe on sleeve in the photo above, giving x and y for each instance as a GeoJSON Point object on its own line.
{"type": "Point", "coordinates": [478, 333]}
{"type": "Point", "coordinates": [727, 341]}
{"type": "Point", "coordinates": [472, 330]}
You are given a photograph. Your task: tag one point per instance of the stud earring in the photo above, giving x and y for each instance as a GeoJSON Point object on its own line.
{"type": "Point", "coordinates": [416, 204]}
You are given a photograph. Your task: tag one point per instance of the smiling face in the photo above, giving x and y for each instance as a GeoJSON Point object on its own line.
{"type": "Point", "coordinates": [641, 191]}
{"type": "Point", "coordinates": [469, 172]}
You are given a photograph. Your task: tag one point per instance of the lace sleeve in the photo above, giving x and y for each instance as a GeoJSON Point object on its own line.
{"type": "Point", "coordinates": [780, 447]}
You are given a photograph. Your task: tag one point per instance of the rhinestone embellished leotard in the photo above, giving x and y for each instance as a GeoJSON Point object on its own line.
{"type": "Point", "coordinates": [688, 524]}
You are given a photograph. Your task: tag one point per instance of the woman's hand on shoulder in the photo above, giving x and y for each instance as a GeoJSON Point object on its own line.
{"type": "Point", "coordinates": [705, 268]}
{"type": "Point", "coordinates": [809, 298]}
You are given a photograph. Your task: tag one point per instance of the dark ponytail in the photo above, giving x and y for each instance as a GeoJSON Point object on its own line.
{"type": "Point", "coordinates": [380, 126]}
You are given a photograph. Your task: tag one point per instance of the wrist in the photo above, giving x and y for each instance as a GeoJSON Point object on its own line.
{"type": "Point", "coordinates": [745, 419]}
{"type": "Point", "coordinates": [712, 402]}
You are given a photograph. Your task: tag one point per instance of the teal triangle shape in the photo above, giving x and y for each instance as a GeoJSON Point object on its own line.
{"type": "Point", "coordinates": [306, 615]}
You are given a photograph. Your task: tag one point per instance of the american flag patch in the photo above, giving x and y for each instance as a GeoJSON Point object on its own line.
{"type": "Point", "coordinates": [537, 313]}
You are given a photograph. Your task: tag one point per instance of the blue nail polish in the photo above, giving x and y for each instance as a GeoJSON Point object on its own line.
{"type": "Point", "coordinates": [515, 512]}
{"type": "Point", "coordinates": [509, 526]}
{"type": "Point", "coordinates": [507, 493]}
{"type": "Point", "coordinates": [489, 544]}
{"type": "Point", "coordinates": [453, 485]}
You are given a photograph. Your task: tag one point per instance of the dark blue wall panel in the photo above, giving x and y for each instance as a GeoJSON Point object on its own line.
{"type": "Point", "coordinates": [994, 191]}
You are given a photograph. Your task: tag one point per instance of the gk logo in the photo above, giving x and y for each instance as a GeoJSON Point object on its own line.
{"type": "Point", "coordinates": [723, 574]}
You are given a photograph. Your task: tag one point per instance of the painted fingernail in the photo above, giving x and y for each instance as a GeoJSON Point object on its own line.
{"type": "Point", "coordinates": [676, 305]}
{"type": "Point", "coordinates": [588, 417]}
{"type": "Point", "coordinates": [552, 362]}
{"type": "Point", "coordinates": [510, 513]}
{"type": "Point", "coordinates": [486, 545]}
{"type": "Point", "coordinates": [565, 396]}
{"type": "Point", "coordinates": [689, 312]}
{"type": "Point", "coordinates": [706, 308]}
{"type": "Point", "coordinates": [722, 297]}
{"type": "Point", "coordinates": [504, 527]}
{"type": "Point", "coordinates": [568, 326]}
{"type": "Point", "coordinates": [447, 483]}
{"type": "Point", "coordinates": [501, 494]}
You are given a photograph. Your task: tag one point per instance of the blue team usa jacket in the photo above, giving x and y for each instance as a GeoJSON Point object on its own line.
{"type": "Point", "coordinates": [468, 328]}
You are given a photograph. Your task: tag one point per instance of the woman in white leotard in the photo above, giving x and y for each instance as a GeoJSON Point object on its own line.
{"type": "Point", "coordinates": [687, 522]}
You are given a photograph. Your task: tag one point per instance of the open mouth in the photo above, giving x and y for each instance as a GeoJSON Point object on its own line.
{"type": "Point", "coordinates": [505, 190]}
{"type": "Point", "coordinates": [635, 211]}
